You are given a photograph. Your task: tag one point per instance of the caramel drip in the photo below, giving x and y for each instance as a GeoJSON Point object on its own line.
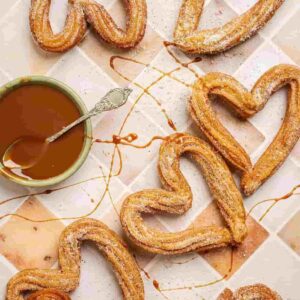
{"type": "Point", "coordinates": [128, 139]}
{"type": "Point", "coordinates": [156, 284]}
{"type": "Point", "coordinates": [146, 90]}
{"type": "Point", "coordinates": [184, 65]}
{"type": "Point", "coordinates": [275, 201]}
{"type": "Point", "coordinates": [149, 278]}
{"type": "Point", "coordinates": [202, 285]}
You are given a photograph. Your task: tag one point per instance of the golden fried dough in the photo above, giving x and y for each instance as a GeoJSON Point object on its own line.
{"type": "Point", "coordinates": [220, 39]}
{"type": "Point", "coordinates": [66, 279]}
{"type": "Point", "coordinates": [72, 34]}
{"type": "Point", "coordinates": [247, 104]}
{"type": "Point", "coordinates": [251, 292]}
{"type": "Point", "coordinates": [176, 199]}
{"type": "Point", "coordinates": [75, 28]}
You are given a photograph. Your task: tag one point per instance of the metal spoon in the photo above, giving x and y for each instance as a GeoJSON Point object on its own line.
{"type": "Point", "coordinates": [32, 149]}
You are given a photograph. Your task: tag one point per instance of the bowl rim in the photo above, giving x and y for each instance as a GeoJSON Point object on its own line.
{"type": "Point", "coordinates": [70, 93]}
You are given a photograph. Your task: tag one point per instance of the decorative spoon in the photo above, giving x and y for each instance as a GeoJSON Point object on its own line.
{"type": "Point", "coordinates": [25, 152]}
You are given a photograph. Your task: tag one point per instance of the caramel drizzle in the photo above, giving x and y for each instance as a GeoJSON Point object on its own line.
{"type": "Point", "coordinates": [118, 140]}
{"type": "Point", "coordinates": [128, 139]}
{"type": "Point", "coordinates": [287, 196]}
{"type": "Point", "coordinates": [150, 278]}
{"type": "Point", "coordinates": [203, 285]}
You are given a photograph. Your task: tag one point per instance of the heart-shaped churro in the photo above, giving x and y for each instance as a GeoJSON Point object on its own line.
{"type": "Point", "coordinates": [247, 104]}
{"type": "Point", "coordinates": [73, 32]}
{"type": "Point", "coordinates": [251, 292]}
{"type": "Point", "coordinates": [210, 41]}
{"type": "Point", "coordinates": [81, 12]}
{"type": "Point", "coordinates": [176, 199]}
{"type": "Point", "coordinates": [66, 279]}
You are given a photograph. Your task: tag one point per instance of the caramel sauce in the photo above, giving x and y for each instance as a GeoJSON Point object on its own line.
{"type": "Point", "coordinates": [156, 284]}
{"type": "Point", "coordinates": [37, 112]}
{"type": "Point", "coordinates": [203, 285]}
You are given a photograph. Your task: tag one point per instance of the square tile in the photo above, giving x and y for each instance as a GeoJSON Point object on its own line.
{"type": "Point", "coordinates": [266, 57]}
{"type": "Point", "coordinates": [5, 6]}
{"type": "Point", "coordinates": [85, 77]}
{"type": "Point", "coordinates": [221, 259]}
{"type": "Point", "coordinates": [83, 193]}
{"type": "Point", "coordinates": [173, 98]}
{"type": "Point", "coordinates": [41, 252]}
{"type": "Point", "coordinates": [101, 282]}
{"type": "Point", "coordinates": [12, 196]}
{"type": "Point", "coordinates": [230, 61]}
{"type": "Point", "coordinates": [186, 271]}
{"type": "Point", "coordinates": [288, 36]}
{"type": "Point", "coordinates": [283, 14]}
{"type": "Point", "coordinates": [162, 15]}
{"type": "Point", "coordinates": [273, 266]}
{"type": "Point", "coordinates": [290, 233]}
{"type": "Point", "coordinates": [17, 45]}
{"type": "Point", "coordinates": [124, 121]}
{"type": "Point", "coordinates": [170, 89]}
{"type": "Point", "coordinates": [112, 216]}
{"type": "Point", "coordinates": [277, 186]}
{"type": "Point", "coordinates": [216, 13]}
{"type": "Point", "coordinates": [101, 53]}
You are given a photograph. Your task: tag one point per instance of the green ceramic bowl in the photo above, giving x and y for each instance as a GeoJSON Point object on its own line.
{"type": "Point", "coordinates": [87, 125]}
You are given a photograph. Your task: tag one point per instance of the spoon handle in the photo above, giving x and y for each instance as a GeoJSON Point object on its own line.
{"type": "Point", "coordinates": [112, 100]}
{"type": "Point", "coordinates": [67, 128]}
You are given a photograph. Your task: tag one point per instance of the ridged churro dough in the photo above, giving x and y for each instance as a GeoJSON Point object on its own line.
{"type": "Point", "coordinates": [176, 199]}
{"type": "Point", "coordinates": [66, 279]}
{"type": "Point", "coordinates": [251, 292]}
{"type": "Point", "coordinates": [247, 104]}
{"type": "Point", "coordinates": [82, 12]}
{"type": "Point", "coordinates": [210, 41]}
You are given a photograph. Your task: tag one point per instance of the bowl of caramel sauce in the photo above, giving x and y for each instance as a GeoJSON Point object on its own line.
{"type": "Point", "coordinates": [36, 107]}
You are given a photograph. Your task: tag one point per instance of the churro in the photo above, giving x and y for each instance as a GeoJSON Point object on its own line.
{"type": "Point", "coordinates": [247, 104]}
{"type": "Point", "coordinates": [251, 292]}
{"type": "Point", "coordinates": [82, 12]}
{"type": "Point", "coordinates": [210, 41]}
{"type": "Point", "coordinates": [73, 32]}
{"type": "Point", "coordinates": [66, 279]}
{"type": "Point", "coordinates": [106, 28]}
{"type": "Point", "coordinates": [176, 199]}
